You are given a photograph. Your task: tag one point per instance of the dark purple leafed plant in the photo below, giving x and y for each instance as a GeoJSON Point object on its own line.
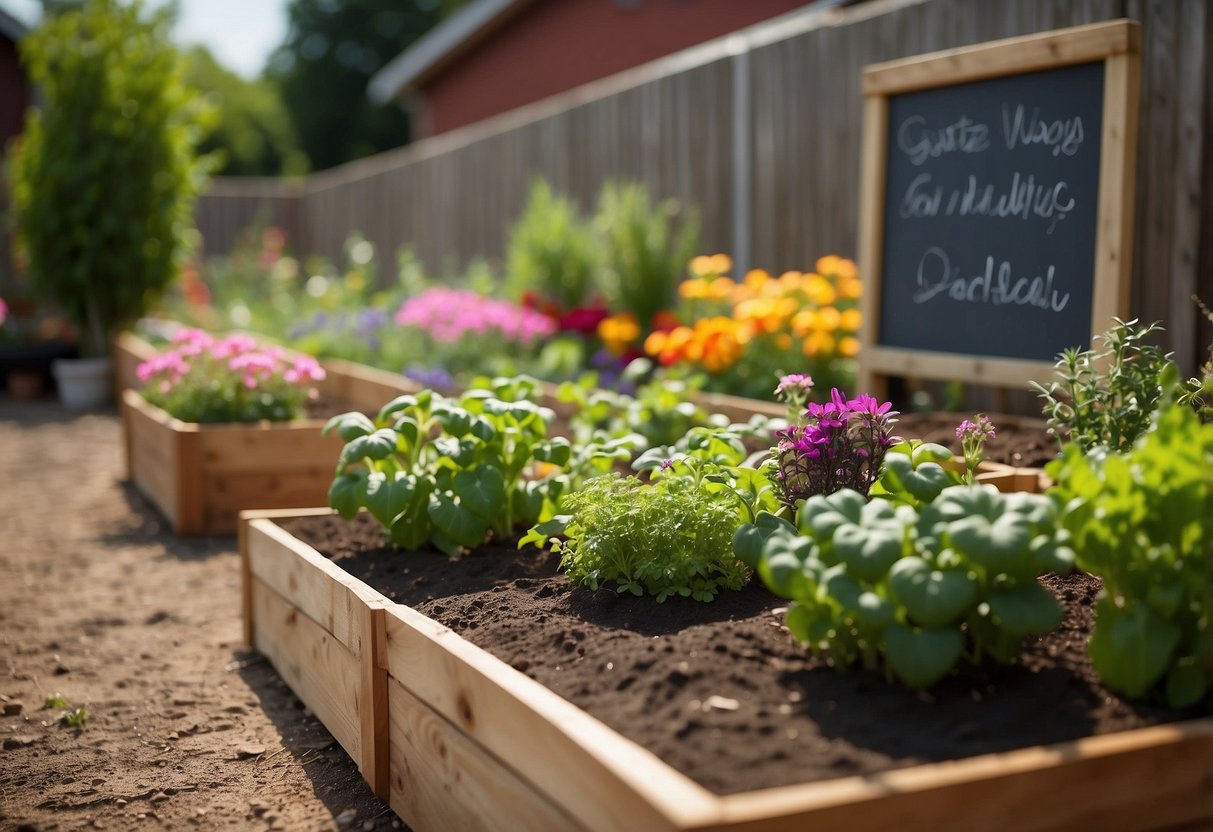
{"type": "Point", "coordinates": [842, 444]}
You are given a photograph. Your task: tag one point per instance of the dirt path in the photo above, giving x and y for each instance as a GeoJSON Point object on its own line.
{"type": "Point", "coordinates": [98, 603]}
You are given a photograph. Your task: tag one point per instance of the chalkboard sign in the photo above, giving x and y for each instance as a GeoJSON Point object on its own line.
{"type": "Point", "coordinates": [997, 204]}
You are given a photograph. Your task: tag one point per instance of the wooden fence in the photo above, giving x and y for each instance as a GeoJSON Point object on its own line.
{"type": "Point", "coordinates": [761, 131]}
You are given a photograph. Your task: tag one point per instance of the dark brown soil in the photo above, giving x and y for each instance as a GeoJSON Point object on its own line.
{"type": "Point", "coordinates": [1022, 442]}
{"type": "Point", "coordinates": [722, 691]}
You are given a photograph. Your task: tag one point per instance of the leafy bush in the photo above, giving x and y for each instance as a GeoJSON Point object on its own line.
{"type": "Point", "coordinates": [105, 175]}
{"type": "Point", "coordinates": [1143, 522]}
{"type": "Point", "coordinates": [1106, 396]}
{"type": "Point", "coordinates": [552, 251]}
{"type": "Point", "coordinates": [232, 379]}
{"type": "Point", "coordinates": [914, 590]}
{"type": "Point", "coordinates": [670, 536]}
{"type": "Point", "coordinates": [449, 472]}
{"type": "Point", "coordinates": [646, 248]}
{"type": "Point", "coordinates": [661, 412]}
{"type": "Point", "coordinates": [1198, 390]}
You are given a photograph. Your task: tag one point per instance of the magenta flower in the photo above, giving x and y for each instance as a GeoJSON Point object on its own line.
{"type": "Point", "coordinates": [841, 445]}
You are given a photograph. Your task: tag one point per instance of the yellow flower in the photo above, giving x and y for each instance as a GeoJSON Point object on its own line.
{"type": "Point", "coordinates": [828, 319]}
{"type": "Point", "coordinates": [710, 265]}
{"type": "Point", "coordinates": [820, 291]}
{"type": "Point", "coordinates": [818, 343]}
{"type": "Point", "coordinates": [851, 319]}
{"type": "Point", "coordinates": [828, 264]}
{"type": "Point", "coordinates": [846, 269]}
{"type": "Point", "coordinates": [851, 288]}
{"type": "Point", "coordinates": [721, 288]}
{"type": "Point", "coordinates": [848, 346]}
{"type": "Point", "coordinates": [755, 279]}
{"type": "Point", "coordinates": [694, 289]}
{"type": "Point", "coordinates": [619, 332]}
{"type": "Point", "coordinates": [701, 265]}
{"type": "Point", "coordinates": [791, 281]}
{"type": "Point", "coordinates": [804, 322]}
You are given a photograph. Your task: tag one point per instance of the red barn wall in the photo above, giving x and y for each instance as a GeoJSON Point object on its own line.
{"type": "Point", "coordinates": [555, 45]}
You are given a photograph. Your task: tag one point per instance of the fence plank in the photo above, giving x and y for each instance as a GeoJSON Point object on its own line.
{"type": "Point", "coordinates": [669, 124]}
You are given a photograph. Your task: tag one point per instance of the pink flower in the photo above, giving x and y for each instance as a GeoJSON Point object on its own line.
{"type": "Point", "coordinates": [3, 311]}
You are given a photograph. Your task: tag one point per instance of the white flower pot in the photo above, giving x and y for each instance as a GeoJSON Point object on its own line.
{"type": "Point", "coordinates": [84, 383]}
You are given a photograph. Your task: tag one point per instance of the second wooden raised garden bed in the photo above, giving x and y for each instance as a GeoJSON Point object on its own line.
{"type": "Point", "coordinates": [201, 476]}
{"type": "Point", "coordinates": [454, 738]}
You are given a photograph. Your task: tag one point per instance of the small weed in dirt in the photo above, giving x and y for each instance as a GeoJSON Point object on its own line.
{"type": "Point", "coordinates": [75, 718]}
{"type": "Point", "coordinates": [55, 700]}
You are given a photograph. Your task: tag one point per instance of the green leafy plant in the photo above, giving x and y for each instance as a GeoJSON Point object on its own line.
{"type": "Point", "coordinates": [661, 412]}
{"type": "Point", "coordinates": [1143, 522]}
{"type": "Point", "coordinates": [1106, 396]}
{"type": "Point", "coordinates": [1197, 392]}
{"type": "Point", "coordinates": [76, 717]}
{"type": "Point", "coordinates": [670, 536]}
{"type": "Point", "coordinates": [450, 472]}
{"type": "Point", "coordinates": [56, 700]}
{"type": "Point", "coordinates": [552, 251]}
{"type": "Point", "coordinates": [913, 473]}
{"type": "Point", "coordinates": [105, 175]}
{"type": "Point", "coordinates": [646, 248]}
{"type": "Point", "coordinates": [916, 590]}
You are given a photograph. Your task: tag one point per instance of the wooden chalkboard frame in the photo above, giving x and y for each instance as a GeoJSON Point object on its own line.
{"type": "Point", "coordinates": [1117, 44]}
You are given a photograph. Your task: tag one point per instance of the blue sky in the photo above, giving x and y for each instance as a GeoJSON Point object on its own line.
{"type": "Point", "coordinates": [240, 33]}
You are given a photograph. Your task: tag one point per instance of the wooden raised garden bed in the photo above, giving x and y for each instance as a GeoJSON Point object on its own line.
{"type": "Point", "coordinates": [454, 738]}
{"type": "Point", "coordinates": [201, 476]}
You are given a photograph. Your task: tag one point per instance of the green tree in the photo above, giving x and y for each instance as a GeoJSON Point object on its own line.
{"type": "Point", "coordinates": [255, 136]}
{"type": "Point", "coordinates": [105, 175]}
{"type": "Point", "coordinates": [331, 52]}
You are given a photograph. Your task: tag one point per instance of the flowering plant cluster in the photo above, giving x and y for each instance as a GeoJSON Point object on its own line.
{"type": "Point", "coordinates": [841, 444]}
{"type": "Point", "coordinates": [230, 379]}
{"type": "Point", "coordinates": [973, 437]}
{"type": "Point", "coordinates": [449, 315]}
{"type": "Point", "coordinates": [740, 332]}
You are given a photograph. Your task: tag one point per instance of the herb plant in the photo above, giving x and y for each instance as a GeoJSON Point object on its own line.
{"type": "Point", "coordinates": [914, 590]}
{"type": "Point", "coordinates": [450, 472]}
{"type": "Point", "coordinates": [552, 251]}
{"type": "Point", "coordinates": [1197, 392]}
{"type": "Point", "coordinates": [1143, 522]}
{"type": "Point", "coordinates": [1105, 397]}
{"type": "Point", "coordinates": [670, 536]}
{"type": "Point", "coordinates": [230, 379]}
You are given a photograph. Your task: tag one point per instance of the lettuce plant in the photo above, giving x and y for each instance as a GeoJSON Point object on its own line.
{"type": "Point", "coordinates": [914, 590]}
{"type": "Point", "coordinates": [450, 472]}
{"type": "Point", "coordinates": [1143, 522]}
{"type": "Point", "coordinates": [670, 536]}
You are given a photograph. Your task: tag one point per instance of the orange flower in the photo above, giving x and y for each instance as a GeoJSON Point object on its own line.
{"type": "Point", "coordinates": [848, 346]}
{"type": "Point", "coordinates": [851, 320]}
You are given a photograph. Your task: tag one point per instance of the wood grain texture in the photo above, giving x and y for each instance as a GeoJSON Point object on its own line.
{"type": "Point", "coordinates": [1150, 778]}
{"type": "Point", "coordinates": [552, 744]}
{"type": "Point", "coordinates": [323, 673]}
{"type": "Point", "coordinates": [328, 595]}
{"type": "Point", "coordinates": [1010, 56]}
{"type": "Point", "coordinates": [671, 125]}
{"type": "Point", "coordinates": [442, 780]}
